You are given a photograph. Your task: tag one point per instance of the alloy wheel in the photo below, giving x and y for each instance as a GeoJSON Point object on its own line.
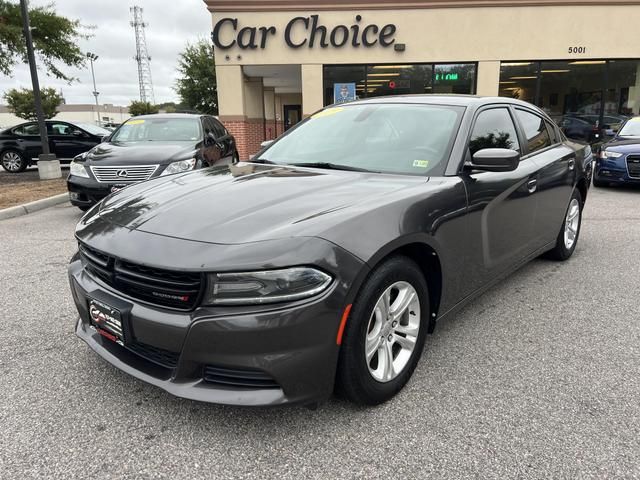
{"type": "Point", "coordinates": [11, 161]}
{"type": "Point", "coordinates": [571, 223]}
{"type": "Point", "coordinates": [392, 331]}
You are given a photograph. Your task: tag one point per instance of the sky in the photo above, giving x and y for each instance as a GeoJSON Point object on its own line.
{"type": "Point", "coordinates": [170, 25]}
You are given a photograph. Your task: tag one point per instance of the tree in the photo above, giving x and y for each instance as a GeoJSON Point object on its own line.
{"type": "Point", "coordinates": [55, 39]}
{"type": "Point", "coordinates": [197, 82]}
{"type": "Point", "coordinates": [22, 104]}
{"type": "Point", "coordinates": [142, 108]}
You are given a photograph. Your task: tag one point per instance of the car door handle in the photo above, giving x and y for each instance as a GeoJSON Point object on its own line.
{"type": "Point", "coordinates": [572, 163]}
{"type": "Point", "coordinates": [532, 185]}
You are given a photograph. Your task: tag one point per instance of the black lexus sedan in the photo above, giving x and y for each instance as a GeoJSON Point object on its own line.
{"type": "Point", "coordinates": [21, 145]}
{"type": "Point", "coordinates": [324, 264]}
{"type": "Point", "coordinates": [145, 147]}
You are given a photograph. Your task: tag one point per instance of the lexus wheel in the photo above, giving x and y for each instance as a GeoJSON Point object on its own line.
{"type": "Point", "coordinates": [568, 237]}
{"type": "Point", "coordinates": [385, 333]}
{"type": "Point", "coordinates": [12, 161]}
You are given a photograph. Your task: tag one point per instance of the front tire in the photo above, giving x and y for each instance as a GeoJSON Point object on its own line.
{"type": "Point", "coordinates": [13, 161]}
{"type": "Point", "coordinates": [385, 333]}
{"type": "Point", "coordinates": [570, 231]}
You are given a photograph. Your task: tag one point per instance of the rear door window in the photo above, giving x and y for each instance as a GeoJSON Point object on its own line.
{"type": "Point", "coordinates": [535, 130]}
{"type": "Point", "coordinates": [27, 130]}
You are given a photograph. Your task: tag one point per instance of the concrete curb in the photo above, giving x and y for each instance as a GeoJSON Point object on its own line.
{"type": "Point", "coordinates": [31, 207]}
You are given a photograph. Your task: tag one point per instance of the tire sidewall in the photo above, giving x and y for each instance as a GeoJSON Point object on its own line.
{"type": "Point", "coordinates": [353, 365]}
{"type": "Point", "coordinates": [23, 163]}
{"type": "Point", "coordinates": [564, 251]}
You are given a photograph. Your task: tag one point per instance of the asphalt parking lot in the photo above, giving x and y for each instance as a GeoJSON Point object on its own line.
{"type": "Point", "coordinates": [539, 378]}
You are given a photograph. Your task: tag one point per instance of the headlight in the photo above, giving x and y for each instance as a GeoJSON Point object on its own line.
{"type": "Point", "coordinates": [269, 286]}
{"type": "Point", "coordinates": [78, 170]}
{"type": "Point", "coordinates": [181, 166]}
{"type": "Point", "coordinates": [604, 154]}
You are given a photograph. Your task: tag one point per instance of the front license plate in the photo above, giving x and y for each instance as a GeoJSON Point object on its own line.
{"type": "Point", "coordinates": [107, 319]}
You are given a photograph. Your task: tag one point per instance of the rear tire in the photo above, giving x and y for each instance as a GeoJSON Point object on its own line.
{"type": "Point", "coordinates": [13, 161]}
{"type": "Point", "coordinates": [570, 232]}
{"type": "Point", "coordinates": [389, 321]}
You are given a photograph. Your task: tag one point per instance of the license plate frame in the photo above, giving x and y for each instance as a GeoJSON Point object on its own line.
{"type": "Point", "coordinates": [107, 319]}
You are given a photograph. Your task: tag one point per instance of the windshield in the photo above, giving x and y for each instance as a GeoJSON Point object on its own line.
{"type": "Point", "coordinates": [158, 130]}
{"type": "Point", "coordinates": [93, 129]}
{"type": "Point", "coordinates": [395, 138]}
{"type": "Point", "coordinates": [631, 128]}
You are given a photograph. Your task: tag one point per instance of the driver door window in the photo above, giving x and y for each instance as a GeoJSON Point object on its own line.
{"type": "Point", "coordinates": [494, 128]}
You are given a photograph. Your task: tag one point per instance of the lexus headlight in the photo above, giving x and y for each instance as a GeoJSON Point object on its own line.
{"type": "Point", "coordinates": [604, 154]}
{"type": "Point", "coordinates": [179, 167]}
{"type": "Point", "coordinates": [78, 170]}
{"type": "Point", "coordinates": [268, 286]}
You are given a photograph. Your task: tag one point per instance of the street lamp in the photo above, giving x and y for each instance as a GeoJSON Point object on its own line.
{"type": "Point", "coordinates": [93, 57]}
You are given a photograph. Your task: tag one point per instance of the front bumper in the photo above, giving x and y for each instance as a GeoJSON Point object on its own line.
{"type": "Point", "coordinates": [614, 171]}
{"type": "Point", "coordinates": [292, 348]}
{"type": "Point", "coordinates": [86, 192]}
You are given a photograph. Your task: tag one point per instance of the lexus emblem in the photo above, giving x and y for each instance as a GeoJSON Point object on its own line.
{"type": "Point", "coordinates": [122, 173]}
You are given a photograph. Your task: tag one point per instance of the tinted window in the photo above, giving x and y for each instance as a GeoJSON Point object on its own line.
{"type": "Point", "coordinates": [494, 129]}
{"type": "Point", "coordinates": [218, 129]}
{"type": "Point", "coordinates": [535, 130]}
{"type": "Point", "coordinates": [412, 139]}
{"type": "Point", "coordinates": [208, 126]}
{"type": "Point", "coordinates": [62, 129]}
{"type": "Point", "coordinates": [28, 129]}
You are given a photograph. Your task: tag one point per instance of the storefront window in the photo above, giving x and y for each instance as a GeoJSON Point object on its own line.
{"type": "Point", "coordinates": [589, 99]}
{"type": "Point", "coordinates": [397, 79]}
{"type": "Point", "coordinates": [518, 80]}
{"type": "Point", "coordinates": [454, 78]}
{"type": "Point", "coordinates": [377, 80]}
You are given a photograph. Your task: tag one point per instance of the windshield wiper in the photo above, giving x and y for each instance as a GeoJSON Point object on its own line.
{"type": "Point", "coordinates": [263, 160]}
{"type": "Point", "coordinates": [331, 166]}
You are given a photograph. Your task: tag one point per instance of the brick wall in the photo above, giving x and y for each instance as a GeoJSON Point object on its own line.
{"type": "Point", "coordinates": [249, 134]}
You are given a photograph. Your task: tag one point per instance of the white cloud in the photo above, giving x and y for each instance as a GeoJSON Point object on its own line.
{"type": "Point", "coordinates": [170, 25]}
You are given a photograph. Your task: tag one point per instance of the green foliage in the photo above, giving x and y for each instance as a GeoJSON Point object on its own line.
{"type": "Point", "coordinates": [197, 82]}
{"type": "Point", "coordinates": [22, 104]}
{"type": "Point", "coordinates": [55, 39]}
{"type": "Point", "coordinates": [142, 108]}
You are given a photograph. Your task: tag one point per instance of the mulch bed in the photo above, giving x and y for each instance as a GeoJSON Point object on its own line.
{"type": "Point", "coordinates": [19, 188]}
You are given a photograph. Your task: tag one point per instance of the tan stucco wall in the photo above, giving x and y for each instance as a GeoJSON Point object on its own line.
{"type": "Point", "coordinates": [450, 34]}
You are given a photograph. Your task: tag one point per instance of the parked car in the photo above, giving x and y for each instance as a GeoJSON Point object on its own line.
{"type": "Point", "coordinates": [21, 145]}
{"type": "Point", "coordinates": [619, 159]}
{"type": "Point", "coordinates": [329, 257]}
{"type": "Point", "coordinates": [581, 127]}
{"type": "Point", "coordinates": [145, 147]}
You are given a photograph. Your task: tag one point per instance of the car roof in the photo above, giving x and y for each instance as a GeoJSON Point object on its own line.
{"type": "Point", "coordinates": [170, 115]}
{"type": "Point", "coordinates": [444, 99]}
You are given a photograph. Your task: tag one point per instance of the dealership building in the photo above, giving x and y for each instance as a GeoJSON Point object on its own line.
{"type": "Point", "coordinates": [279, 61]}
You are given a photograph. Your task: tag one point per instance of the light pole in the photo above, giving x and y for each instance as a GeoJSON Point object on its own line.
{"type": "Point", "coordinates": [92, 57]}
{"type": "Point", "coordinates": [48, 166]}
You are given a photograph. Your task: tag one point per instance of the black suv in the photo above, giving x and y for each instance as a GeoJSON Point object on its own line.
{"type": "Point", "coordinates": [145, 147]}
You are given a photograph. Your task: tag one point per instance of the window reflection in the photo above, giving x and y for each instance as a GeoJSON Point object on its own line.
{"type": "Point", "coordinates": [493, 129]}
{"type": "Point", "coordinates": [397, 80]}
{"type": "Point", "coordinates": [454, 78]}
{"type": "Point", "coordinates": [518, 80]}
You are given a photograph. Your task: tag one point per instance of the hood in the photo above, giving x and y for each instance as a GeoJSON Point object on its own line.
{"type": "Point", "coordinates": [248, 202]}
{"type": "Point", "coordinates": [139, 153]}
{"type": "Point", "coordinates": [623, 144]}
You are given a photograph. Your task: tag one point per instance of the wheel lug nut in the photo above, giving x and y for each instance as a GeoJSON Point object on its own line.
{"type": "Point", "coordinates": [394, 324]}
{"type": "Point", "coordinates": [390, 337]}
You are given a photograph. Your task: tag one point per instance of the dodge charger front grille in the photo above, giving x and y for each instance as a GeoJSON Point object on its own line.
{"type": "Point", "coordinates": [168, 288]}
{"type": "Point", "coordinates": [234, 377]}
{"type": "Point", "coordinates": [633, 165]}
{"type": "Point", "coordinates": [125, 174]}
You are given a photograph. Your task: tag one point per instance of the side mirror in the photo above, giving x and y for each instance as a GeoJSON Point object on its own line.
{"type": "Point", "coordinates": [266, 143]}
{"type": "Point", "coordinates": [495, 160]}
{"type": "Point", "coordinates": [105, 138]}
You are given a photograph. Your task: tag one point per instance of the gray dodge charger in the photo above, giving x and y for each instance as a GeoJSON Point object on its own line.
{"type": "Point", "coordinates": [323, 263]}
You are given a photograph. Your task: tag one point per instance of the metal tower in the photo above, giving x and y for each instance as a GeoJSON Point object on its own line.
{"type": "Point", "coordinates": [142, 57]}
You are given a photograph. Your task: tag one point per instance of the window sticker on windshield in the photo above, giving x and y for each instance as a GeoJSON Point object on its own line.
{"type": "Point", "coordinates": [135, 122]}
{"type": "Point", "coordinates": [421, 163]}
{"type": "Point", "coordinates": [327, 112]}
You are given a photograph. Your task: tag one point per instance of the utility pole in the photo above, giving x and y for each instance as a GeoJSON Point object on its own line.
{"type": "Point", "coordinates": [48, 166]}
{"type": "Point", "coordinates": [92, 57]}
